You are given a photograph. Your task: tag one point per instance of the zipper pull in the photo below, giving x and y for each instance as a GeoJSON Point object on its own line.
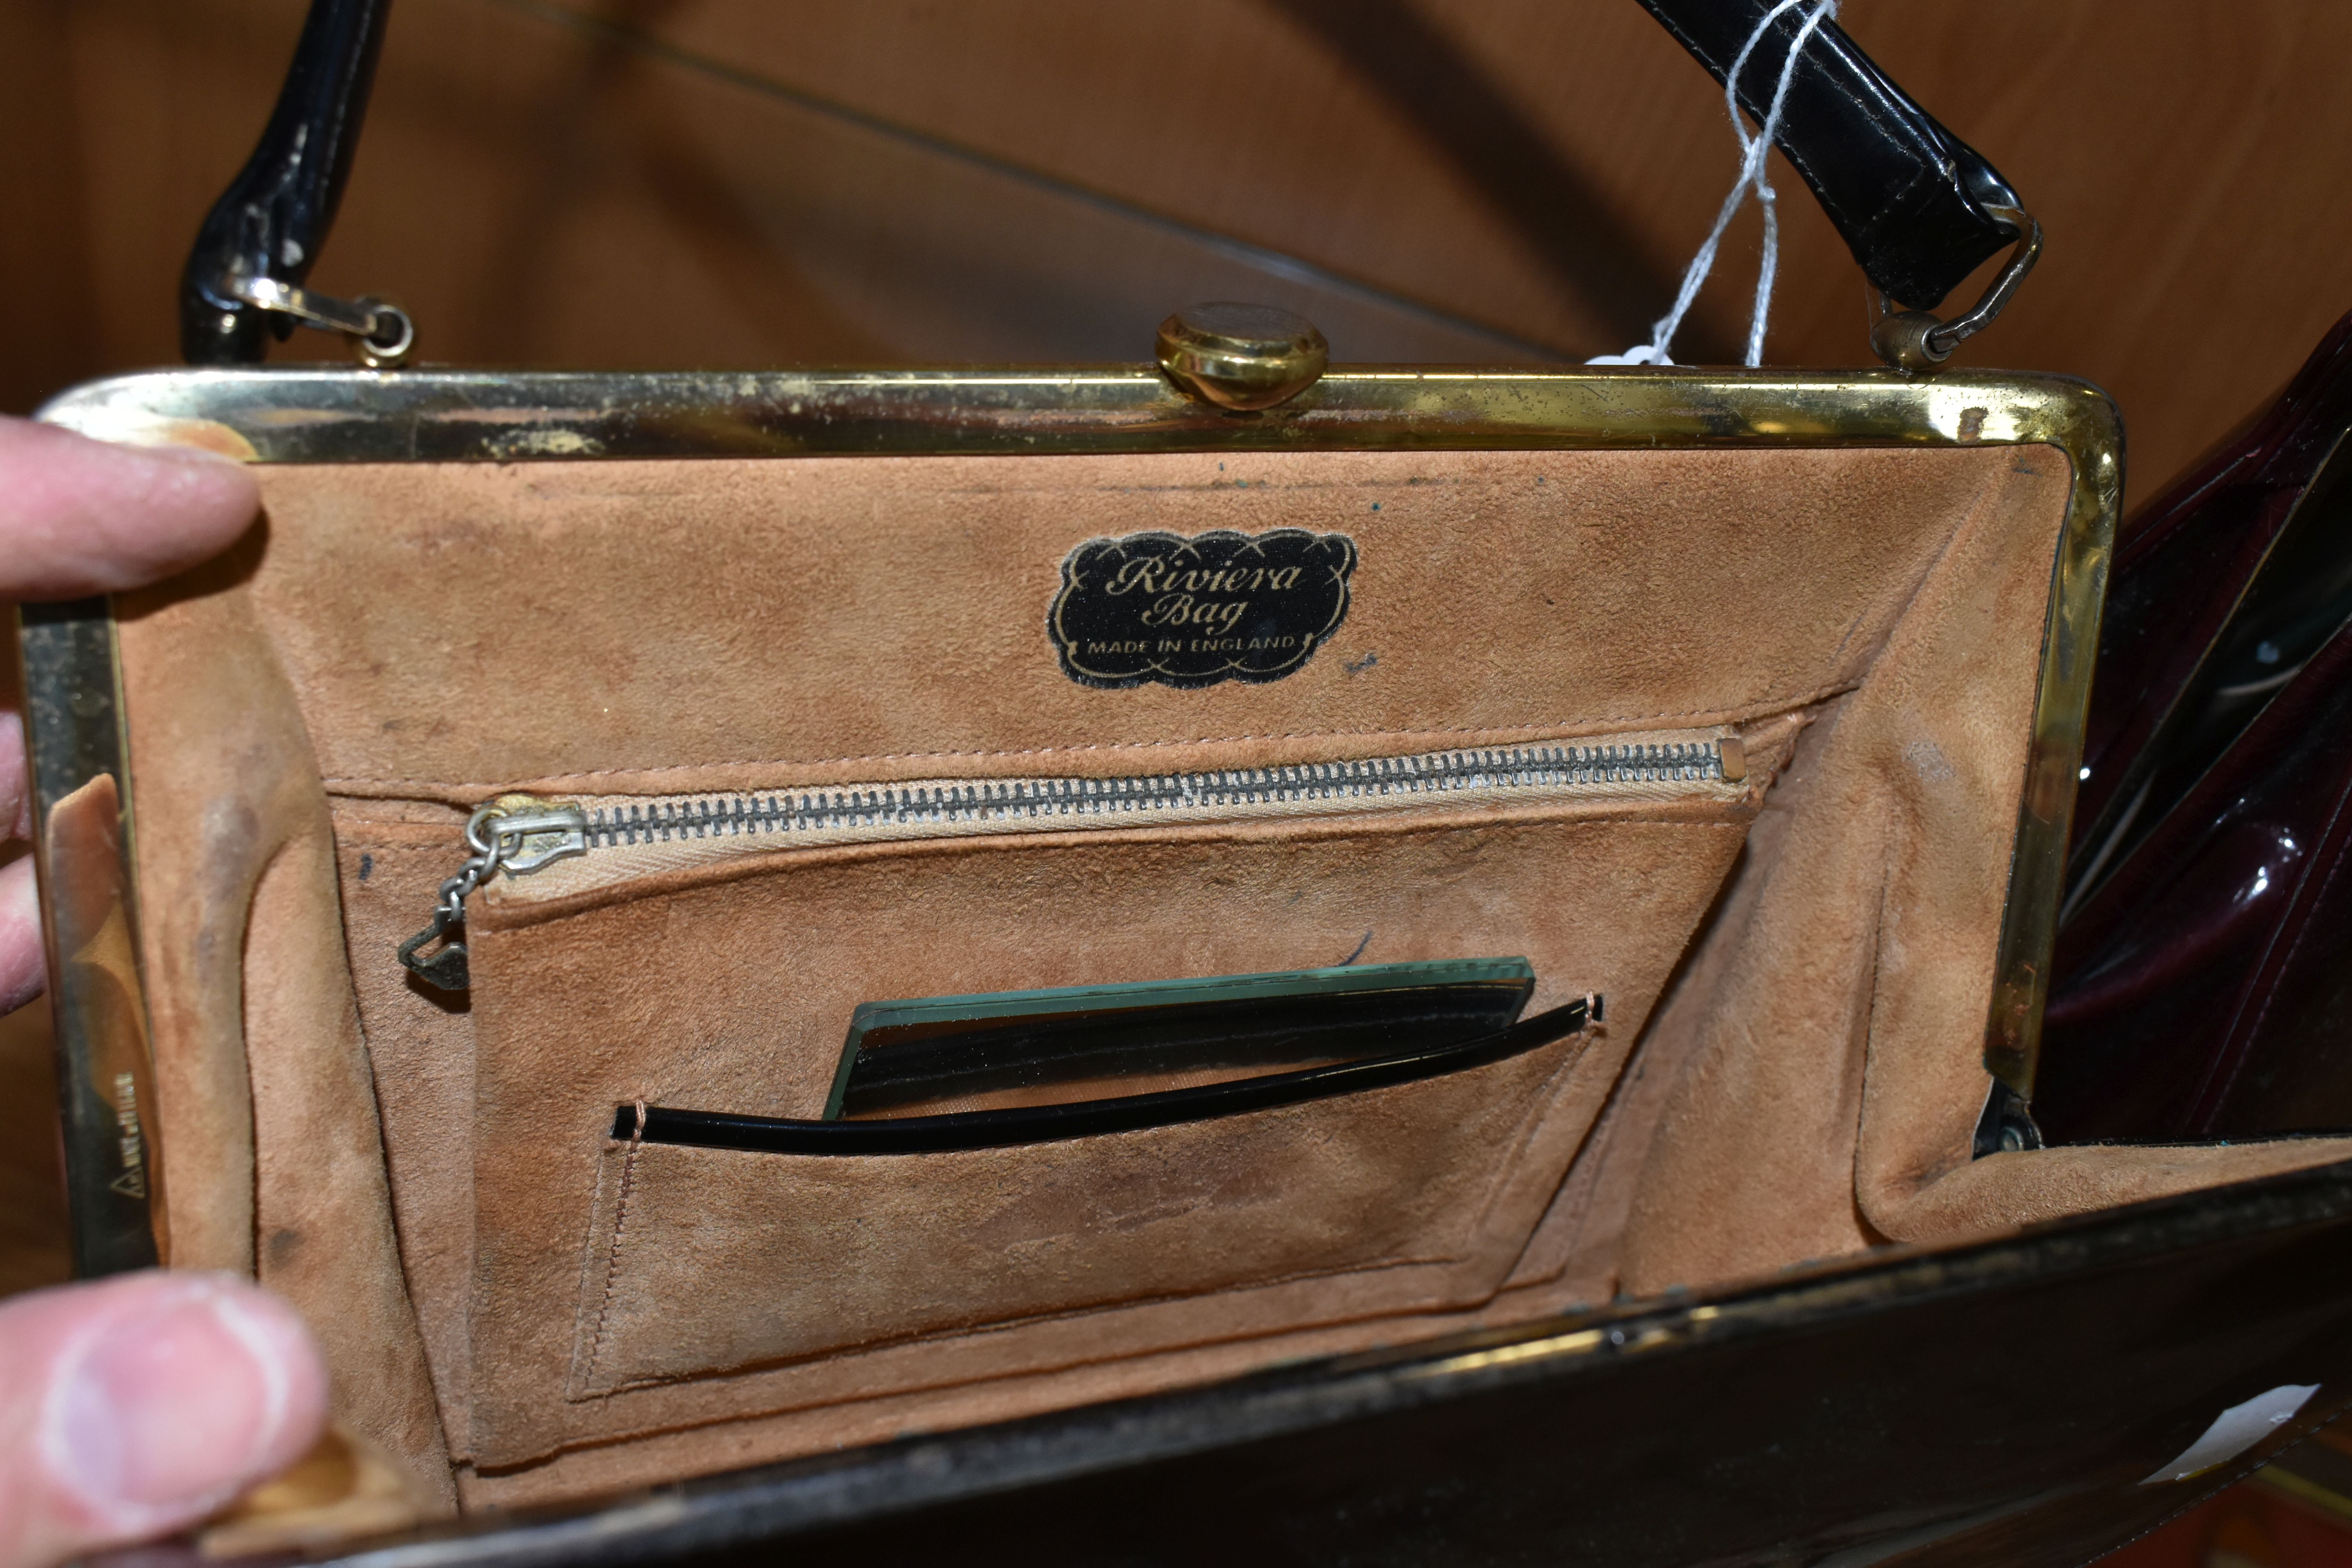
{"type": "Point", "coordinates": [515, 833]}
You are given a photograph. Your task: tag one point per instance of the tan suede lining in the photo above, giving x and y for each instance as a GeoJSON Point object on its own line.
{"type": "Point", "coordinates": [269, 1122]}
{"type": "Point", "coordinates": [1797, 980]}
{"type": "Point", "coordinates": [828, 1253]}
{"type": "Point", "coordinates": [567, 1030]}
{"type": "Point", "coordinates": [633, 628]}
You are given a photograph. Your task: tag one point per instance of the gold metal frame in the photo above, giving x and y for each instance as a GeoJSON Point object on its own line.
{"type": "Point", "coordinates": [347, 416]}
{"type": "Point", "coordinates": [82, 851]}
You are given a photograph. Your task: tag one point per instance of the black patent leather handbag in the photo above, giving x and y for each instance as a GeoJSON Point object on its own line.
{"type": "Point", "coordinates": [2017, 1400]}
{"type": "Point", "coordinates": [2200, 985]}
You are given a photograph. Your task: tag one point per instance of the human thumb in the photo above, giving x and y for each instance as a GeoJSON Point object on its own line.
{"type": "Point", "coordinates": [132, 1407]}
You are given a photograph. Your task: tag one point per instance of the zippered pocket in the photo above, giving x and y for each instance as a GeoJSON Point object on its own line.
{"type": "Point", "coordinates": [545, 850]}
{"type": "Point", "coordinates": [662, 988]}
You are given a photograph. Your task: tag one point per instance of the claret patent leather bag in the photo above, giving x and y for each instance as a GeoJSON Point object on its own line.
{"type": "Point", "coordinates": [1075, 960]}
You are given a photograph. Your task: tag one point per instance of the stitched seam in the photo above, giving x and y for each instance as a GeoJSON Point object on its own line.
{"type": "Point", "coordinates": [539, 925]}
{"type": "Point", "coordinates": [576, 1380]}
{"type": "Point", "coordinates": [612, 1249]}
{"type": "Point", "coordinates": [1542, 1101]}
{"type": "Point", "coordinates": [1839, 213]}
{"type": "Point", "coordinates": [1804, 700]}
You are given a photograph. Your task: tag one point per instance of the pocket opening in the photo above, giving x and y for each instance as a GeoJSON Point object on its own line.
{"type": "Point", "coordinates": [1027, 1124]}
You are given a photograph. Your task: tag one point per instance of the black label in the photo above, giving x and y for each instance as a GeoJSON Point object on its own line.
{"type": "Point", "coordinates": [1193, 612]}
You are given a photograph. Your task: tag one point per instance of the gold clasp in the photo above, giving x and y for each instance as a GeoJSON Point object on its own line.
{"type": "Point", "coordinates": [1242, 357]}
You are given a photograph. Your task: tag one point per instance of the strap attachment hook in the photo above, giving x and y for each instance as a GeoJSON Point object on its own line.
{"type": "Point", "coordinates": [1915, 341]}
{"type": "Point", "coordinates": [379, 333]}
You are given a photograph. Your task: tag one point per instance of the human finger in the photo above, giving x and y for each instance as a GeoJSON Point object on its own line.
{"type": "Point", "coordinates": [80, 517]}
{"type": "Point", "coordinates": [20, 920]}
{"type": "Point", "coordinates": [134, 1406]}
{"type": "Point", "coordinates": [22, 967]}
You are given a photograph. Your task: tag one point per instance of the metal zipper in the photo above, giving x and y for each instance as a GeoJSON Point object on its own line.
{"type": "Point", "coordinates": [520, 835]}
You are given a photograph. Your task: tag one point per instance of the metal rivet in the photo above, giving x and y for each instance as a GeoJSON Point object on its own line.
{"type": "Point", "coordinates": [1242, 356]}
{"type": "Point", "coordinates": [1907, 341]}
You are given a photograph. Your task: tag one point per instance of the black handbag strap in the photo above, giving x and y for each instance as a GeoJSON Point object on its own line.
{"type": "Point", "coordinates": [1911, 199]}
{"type": "Point", "coordinates": [1908, 195]}
{"type": "Point", "coordinates": [270, 225]}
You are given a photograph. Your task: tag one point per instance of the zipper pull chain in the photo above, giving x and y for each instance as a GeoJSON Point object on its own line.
{"type": "Point", "coordinates": [516, 833]}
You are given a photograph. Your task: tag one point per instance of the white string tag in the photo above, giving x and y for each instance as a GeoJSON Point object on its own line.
{"type": "Point", "coordinates": [1752, 176]}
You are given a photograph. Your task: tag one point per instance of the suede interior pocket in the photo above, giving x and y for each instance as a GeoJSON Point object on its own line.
{"type": "Point", "coordinates": [610, 1263]}
{"type": "Point", "coordinates": [834, 1252]}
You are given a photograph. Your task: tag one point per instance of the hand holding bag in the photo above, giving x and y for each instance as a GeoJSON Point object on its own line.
{"type": "Point", "coordinates": [711, 728]}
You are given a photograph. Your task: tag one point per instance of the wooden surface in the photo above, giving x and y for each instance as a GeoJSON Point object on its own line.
{"type": "Point", "coordinates": [758, 182]}
{"type": "Point", "coordinates": [32, 1247]}
{"type": "Point", "coordinates": [739, 182]}
{"type": "Point", "coordinates": [742, 182]}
